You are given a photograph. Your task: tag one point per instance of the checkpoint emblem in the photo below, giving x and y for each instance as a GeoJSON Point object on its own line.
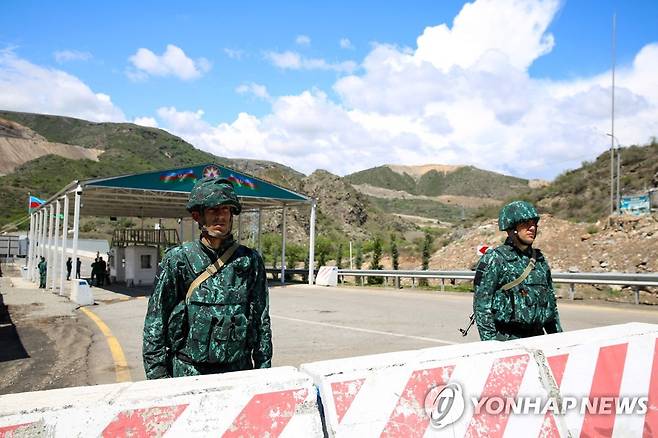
{"type": "Point", "coordinates": [211, 171]}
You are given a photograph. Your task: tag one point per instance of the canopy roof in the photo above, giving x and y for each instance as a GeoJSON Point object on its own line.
{"type": "Point", "coordinates": [164, 193]}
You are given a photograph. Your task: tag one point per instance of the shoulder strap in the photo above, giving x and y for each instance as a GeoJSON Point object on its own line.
{"type": "Point", "coordinates": [524, 274]}
{"type": "Point", "coordinates": [211, 270]}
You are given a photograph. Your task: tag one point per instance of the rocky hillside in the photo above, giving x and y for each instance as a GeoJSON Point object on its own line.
{"type": "Point", "coordinates": [583, 194]}
{"type": "Point", "coordinates": [445, 193]}
{"type": "Point", "coordinates": [106, 149]}
{"type": "Point", "coordinates": [19, 144]}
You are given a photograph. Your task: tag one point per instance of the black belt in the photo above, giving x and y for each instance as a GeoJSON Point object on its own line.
{"type": "Point", "coordinates": [514, 328]}
{"type": "Point", "coordinates": [212, 368]}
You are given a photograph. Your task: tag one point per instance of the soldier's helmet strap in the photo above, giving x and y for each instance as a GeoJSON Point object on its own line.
{"type": "Point", "coordinates": [524, 274]}
{"type": "Point", "coordinates": [211, 270]}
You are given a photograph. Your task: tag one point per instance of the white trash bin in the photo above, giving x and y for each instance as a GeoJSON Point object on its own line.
{"type": "Point", "coordinates": [81, 293]}
{"type": "Point", "coordinates": [24, 272]}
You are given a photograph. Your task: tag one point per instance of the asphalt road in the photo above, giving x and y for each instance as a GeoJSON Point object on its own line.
{"type": "Point", "coordinates": [313, 323]}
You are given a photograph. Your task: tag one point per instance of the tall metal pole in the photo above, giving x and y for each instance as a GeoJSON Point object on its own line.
{"type": "Point", "coordinates": [65, 226]}
{"type": "Point", "coordinates": [260, 230]}
{"type": "Point", "coordinates": [57, 268]}
{"type": "Point", "coordinates": [618, 177]}
{"type": "Point", "coordinates": [612, 139]}
{"type": "Point", "coordinates": [49, 255]}
{"type": "Point", "coordinates": [283, 247]}
{"type": "Point", "coordinates": [30, 247]}
{"type": "Point", "coordinates": [311, 245]}
{"type": "Point", "coordinates": [42, 243]}
{"type": "Point", "coordinates": [76, 228]}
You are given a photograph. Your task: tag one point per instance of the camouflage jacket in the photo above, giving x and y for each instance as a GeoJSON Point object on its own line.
{"type": "Point", "coordinates": [43, 267]}
{"type": "Point", "coordinates": [526, 309]}
{"type": "Point", "coordinates": [226, 319]}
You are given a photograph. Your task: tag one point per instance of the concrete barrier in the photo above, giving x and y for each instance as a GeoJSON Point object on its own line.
{"type": "Point", "coordinates": [385, 395]}
{"type": "Point", "coordinates": [275, 402]}
{"type": "Point", "coordinates": [393, 395]}
{"type": "Point", "coordinates": [327, 276]}
{"type": "Point", "coordinates": [81, 293]}
{"type": "Point", "coordinates": [607, 362]}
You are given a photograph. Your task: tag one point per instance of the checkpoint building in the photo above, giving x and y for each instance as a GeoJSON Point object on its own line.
{"type": "Point", "coordinates": [134, 253]}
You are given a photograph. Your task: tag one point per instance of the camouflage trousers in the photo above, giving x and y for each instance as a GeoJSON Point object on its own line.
{"type": "Point", "coordinates": [42, 281]}
{"type": "Point", "coordinates": [507, 332]}
{"type": "Point", "coordinates": [182, 367]}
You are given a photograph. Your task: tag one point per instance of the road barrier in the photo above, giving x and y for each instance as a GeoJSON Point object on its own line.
{"type": "Point", "coordinates": [599, 382]}
{"type": "Point", "coordinates": [385, 395]}
{"type": "Point", "coordinates": [274, 402]}
{"type": "Point", "coordinates": [393, 395]}
{"type": "Point", "coordinates": [614, 361]}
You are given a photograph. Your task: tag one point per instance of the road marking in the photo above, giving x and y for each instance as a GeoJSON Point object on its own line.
{"type": "Point", "coordinates": [120, 363]}
{"type": "Point", "coordinates": [362, 330]}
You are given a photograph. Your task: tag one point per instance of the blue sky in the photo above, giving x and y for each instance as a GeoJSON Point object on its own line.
{"type": "Point", "coordinates": [345, 86]}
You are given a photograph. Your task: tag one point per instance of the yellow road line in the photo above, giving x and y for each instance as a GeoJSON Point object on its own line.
{"type": "Point", "coordinates": [120, 363]}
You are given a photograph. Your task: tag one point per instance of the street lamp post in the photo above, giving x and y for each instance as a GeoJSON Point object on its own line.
{"type": "Point", "coordinates": [618, 154]}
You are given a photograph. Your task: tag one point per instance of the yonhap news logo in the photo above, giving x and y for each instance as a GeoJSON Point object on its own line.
{"type": "Point", "coordinates": [445, 404]}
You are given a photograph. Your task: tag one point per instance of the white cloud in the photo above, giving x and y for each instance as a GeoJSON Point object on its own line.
{"type": "Point", "coordinates": [31, 88]}
{"type": "Point", "coordinates": [294, 61]}
{"type": "Point", "coordinates": [345, 43]}
{"type": "Point", "coordinates": [303, 40]}
{"type": "Point", "coordinates": [462, 96]}
{"type": "Point", "coordinates": [234, 53]}
{"type": "Point", "coordinates": [257, 90]}
{"type": "Point", "coordinates": [63, 56]}
{"type": "Point", "coordinates": [149, 122]}
{"type": "Point", "coordinates": [173, 62]}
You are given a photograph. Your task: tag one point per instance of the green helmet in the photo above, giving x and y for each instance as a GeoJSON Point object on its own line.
{"type": "Point", "coordinates": [515, 213]}
{"type": "Point", "coordinates": [210, 192]}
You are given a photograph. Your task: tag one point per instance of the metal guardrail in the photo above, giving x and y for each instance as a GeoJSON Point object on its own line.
{"type": "Point", "coordinates": [570, 278]}
{"type": "Point", "coordinates": [615, 278]}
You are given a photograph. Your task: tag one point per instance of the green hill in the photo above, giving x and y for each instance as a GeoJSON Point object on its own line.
{"type": "Point", "coordinates": [583, 194]}
{"type": "Point", "coordinates": [464, 181]}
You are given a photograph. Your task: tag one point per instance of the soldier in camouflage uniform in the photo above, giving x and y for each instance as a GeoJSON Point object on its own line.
{"type": "Point", "coordinates": [504, 307]}
{"type": "Point", "coordinates": [43, 270]}
{"type": "Point", "coordinates": [223, 324]}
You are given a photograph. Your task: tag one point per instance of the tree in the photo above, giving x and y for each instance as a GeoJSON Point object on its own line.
{"type": "Point", "coordinates": [374, 263]}
{"type": "Point", "coordinates": [358, 261]}
{"type": "Point", "coordinates": [339, 256]}
{"type": "Point", "coordinates": [395, 254]}
{"type": "Point", "coordinates": [427, 252]}
{"type": "Point", "coordinates": [358, 256]}
{"type": "Point", "coordinates": [395, 259]}
{"type": "Point", "coordinates": [323, 247]}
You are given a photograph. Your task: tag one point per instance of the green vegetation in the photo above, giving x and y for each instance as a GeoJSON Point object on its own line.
{"type": "Point", "coordinates": [383, 176]}
{"type": "Point", "coordinates": [583, 194]}
{"type": "Point", "coordinates": [374, 262]}
{"type": "Point", "coordinates": [426, 254]}
{"type": "Point", "coordinates": [465, 181]}
{"type": "Point", "coordinates": [421, 207]}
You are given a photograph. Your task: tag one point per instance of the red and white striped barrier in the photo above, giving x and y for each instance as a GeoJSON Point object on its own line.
{"type": "Point", "coordinates": [280, 402]}
{"type": "Point", "coordinates": [387, 395]}
{"type": "Point", "coordinates": [607, 362]}
{"type": "Point", "coordinates": [384, 395]}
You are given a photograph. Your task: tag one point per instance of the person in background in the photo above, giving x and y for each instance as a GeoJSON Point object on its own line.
{"type": "Point", "coordinates": [69, 266]}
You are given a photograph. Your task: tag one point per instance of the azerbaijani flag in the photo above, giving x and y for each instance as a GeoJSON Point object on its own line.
{"type": "Point", "coordinates": [178, 177]}
{"type": "Point", "coordinates": [35, 203]}
{"type": "Point", "coordinates": [242, 182]}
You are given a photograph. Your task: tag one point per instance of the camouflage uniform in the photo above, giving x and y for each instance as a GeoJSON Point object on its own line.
{"type": "Point", "coordinates": [43, 269]}
{"type": "Point", "coordinates": [225, 324]}
{"type": "Point", "coordinates": [527, 309]}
